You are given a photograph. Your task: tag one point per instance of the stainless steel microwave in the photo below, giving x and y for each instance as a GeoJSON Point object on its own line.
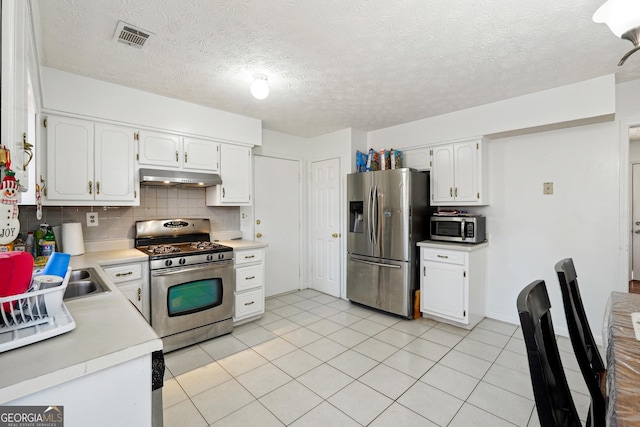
{"type": "Point", "coordinates": [465, 229]}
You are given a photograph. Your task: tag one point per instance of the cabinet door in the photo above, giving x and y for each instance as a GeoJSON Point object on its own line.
{"type": "Point", "coordinates": [159, 149]}
{"type": "Point", "coordinates": [466, 172]}
{"type": "Point", "coordinates": [200, 155]}
{"type": "Point", "coordinates": [114, 163]}
{"type": "Point", "coordinates": [443, 290]}
{"type": "Point", "coordinates": [15, 43]}
{"type": "Point", "coordinates": [69, 159]}
{"type": "Point", "coordinates": [133, 292]}
{"type": "Point", "coordinates": [235, 171]}
{"type": "Point", "coordinates": [442, 177]}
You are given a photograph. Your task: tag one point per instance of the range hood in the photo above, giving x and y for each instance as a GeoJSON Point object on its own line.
{"type": "Point", "coordinates": [171, 178]}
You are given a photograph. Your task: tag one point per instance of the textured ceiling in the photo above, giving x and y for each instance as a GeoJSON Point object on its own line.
{"type": "Point", "coordinates": [334, 64]}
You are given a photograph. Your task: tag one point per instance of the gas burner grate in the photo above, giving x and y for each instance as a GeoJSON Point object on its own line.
{"type": "Point", "coordinates": [163, 249]}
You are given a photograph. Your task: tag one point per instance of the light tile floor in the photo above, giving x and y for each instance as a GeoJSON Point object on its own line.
{"type": "Point", "coordinates": [315, 360]}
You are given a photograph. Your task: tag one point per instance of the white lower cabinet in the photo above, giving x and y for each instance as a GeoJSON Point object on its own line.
{"type": "Point", "coordinates": [453, 283]}
{"type": "Point", "coordinates": [132, 279]}
{"type": "Point", "coordinates": [249, 286]}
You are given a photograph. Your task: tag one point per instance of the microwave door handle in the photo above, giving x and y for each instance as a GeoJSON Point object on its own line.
{"type": "Point", "coordinates": [463, 228]}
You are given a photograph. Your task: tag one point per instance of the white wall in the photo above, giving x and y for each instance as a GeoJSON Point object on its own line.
{"type": "Point", "coordinates": [73, 94]}
{"type": "Point", "coordinates": [530, 231]}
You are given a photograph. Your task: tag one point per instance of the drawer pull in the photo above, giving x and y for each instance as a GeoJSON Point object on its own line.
{"type": "Point", "coordinates": [128, 273]}
{"type": "Point", "coordinates": [249, 256]}
{"type": "Point", "coordinates": [249, 303]}
{"type": "Point", "coordinates": [250, 278]}
{"type": "Point", "coordinates": [443, 256]}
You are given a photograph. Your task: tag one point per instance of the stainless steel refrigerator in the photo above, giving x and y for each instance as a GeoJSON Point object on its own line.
{"type": "Point", "coordinates": [388, 214]}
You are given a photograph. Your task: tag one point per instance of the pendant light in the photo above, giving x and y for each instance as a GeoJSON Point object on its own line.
{"type": "Point", "coordinates": [623, 19]}
{"type": "Point", "coordinates": [260, 86]}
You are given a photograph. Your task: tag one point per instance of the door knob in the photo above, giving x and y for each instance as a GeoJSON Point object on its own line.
{"type": "Point", "coordinates": [335, 235]}
{"type": "Point", "coordinates": [258, 235]}
{"type": "Point", "coordinates": [258, 221]}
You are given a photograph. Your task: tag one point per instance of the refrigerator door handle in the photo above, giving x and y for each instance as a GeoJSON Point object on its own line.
{"type": "Point", "coordinates": [379, 264]}
{"type": "Point", "coordinates": [375, 214]}
{"type": "Point", "coordinates": [370, 230]}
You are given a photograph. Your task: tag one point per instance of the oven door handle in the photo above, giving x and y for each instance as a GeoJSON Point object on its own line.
{"type": "Point", "coordinates": [189, 268]}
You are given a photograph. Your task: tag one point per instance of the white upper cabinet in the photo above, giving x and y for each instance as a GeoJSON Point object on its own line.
{"type": "Point", "coordinates": [17, 49]}
{"type": "Point", "coordinates": [159, 149]}
{"type": "Point", "coordinates": [199, 154]}
{"type": "Point", "coordinates": [89, 164]}
{"type": "Point", "coordinates": [172, 151]}
{"type": "Point", "coordinates": [458, 174]}
{"type": "Point", "coordinates": [235, 171]}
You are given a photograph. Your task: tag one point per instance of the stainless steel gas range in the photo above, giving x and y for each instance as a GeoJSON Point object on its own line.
{"type": "Point", "coordinates": [191, 281]}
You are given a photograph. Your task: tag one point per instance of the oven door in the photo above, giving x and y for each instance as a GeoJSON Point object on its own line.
{"type": "Point", "coordinates": [184, 298]}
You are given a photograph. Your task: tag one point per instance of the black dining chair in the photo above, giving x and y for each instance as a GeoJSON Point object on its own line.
{"type": "Point", "coordinates": [584, 346]}
{"type": "Point", "coordinates": [550, 388]}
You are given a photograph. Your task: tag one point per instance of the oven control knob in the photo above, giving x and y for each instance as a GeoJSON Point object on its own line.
{"type": "Point", "coordinates": [182, 261]}
{"type": "Point", "coordinates": [209, 257]}
{"type": "Point", "coordinates": [168, 263]}
{"type": "Point", "coordinates": [220, 256]}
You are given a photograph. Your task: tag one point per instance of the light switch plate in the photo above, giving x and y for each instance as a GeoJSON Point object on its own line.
{"type": "Point", "coordinates": [92, 219]}
{"type": "Point", "coordinates": [547, 188]}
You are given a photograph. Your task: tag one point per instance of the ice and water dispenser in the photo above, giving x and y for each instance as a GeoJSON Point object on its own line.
{"type": "Point", "coordinates": [356, 217]}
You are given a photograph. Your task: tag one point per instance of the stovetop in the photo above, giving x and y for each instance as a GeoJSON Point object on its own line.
{"type": "Point", "coordinates": [182, 249]}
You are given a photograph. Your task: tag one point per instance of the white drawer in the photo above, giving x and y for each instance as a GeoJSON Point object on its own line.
{"type": "Point", "coordinates": [249, 277]}
{"type": "Point", "coordinates": [249, 303]}
{"type": "Point", "coordinates": [443, 255]}
{"type": "Point", "coordinates": [248, 256]}
{"type": "Point", "coordinates": [124, 273]}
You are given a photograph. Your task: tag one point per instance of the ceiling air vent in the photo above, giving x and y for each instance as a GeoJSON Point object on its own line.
{"type": "Point", "coordinates": [130, 35]}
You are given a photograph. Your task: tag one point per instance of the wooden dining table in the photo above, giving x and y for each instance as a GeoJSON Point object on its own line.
{"type": "Point", "coordinates": [623, 360]}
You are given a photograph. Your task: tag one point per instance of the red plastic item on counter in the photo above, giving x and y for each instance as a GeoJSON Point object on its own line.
{"type": "Point", "coordinates": [16, 269]}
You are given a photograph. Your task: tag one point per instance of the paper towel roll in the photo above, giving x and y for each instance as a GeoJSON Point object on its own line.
{"type": "Point", "coordinates": [72, 239]}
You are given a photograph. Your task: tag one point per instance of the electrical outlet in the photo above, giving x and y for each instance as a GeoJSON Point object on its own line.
{"type": "Point", "coordinates": [547, 188]}
{"type": "Point", "coordinates": [92, 219]}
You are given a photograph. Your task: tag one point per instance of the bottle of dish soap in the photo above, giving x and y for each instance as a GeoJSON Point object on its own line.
{"type": "Point", "coordinates": [48, 245]}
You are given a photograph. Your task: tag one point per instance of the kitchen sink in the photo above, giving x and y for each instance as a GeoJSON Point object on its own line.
{"type": "Point", "coordinates": [83, 283]}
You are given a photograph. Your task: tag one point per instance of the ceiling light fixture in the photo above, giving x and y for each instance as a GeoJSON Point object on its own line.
{"type": "Point", "coordinates": [623, 19]}
{"type": "Point", "coordinates": [260, 86]}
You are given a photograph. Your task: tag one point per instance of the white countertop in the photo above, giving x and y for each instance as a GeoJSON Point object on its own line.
{"type": "Point", "coordinates": [467, 247]}
{"type": "Point", "coordinates": [241, 244]}
{"type": "Point", "coordinates": [109, 331]}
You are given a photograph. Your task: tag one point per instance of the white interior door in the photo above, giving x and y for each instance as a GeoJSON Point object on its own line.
{"type": "Point", "coordinates": [277, 213]}
{"type": "Point", "coordinates": [325, 226]}
{"type": "Point", "coordinates": [635, 225]}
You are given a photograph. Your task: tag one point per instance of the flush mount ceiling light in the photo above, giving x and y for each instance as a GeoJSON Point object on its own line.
{"type": "Point", "coordinates": [623, 19]}
{"type": "Point", "coordinates": [260, 86]}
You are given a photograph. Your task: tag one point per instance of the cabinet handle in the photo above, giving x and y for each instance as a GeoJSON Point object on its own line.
{"type": "Point", "coordinates": [177, 156]}
{"type": "Point", "coordinates": [456, 192]}
{"type": "Point", "coordinates": [27, 148]}
{"type": "Point", "coordinates": [139, 294]}
{"type": "Point", "coordinates": [443, 256]}
{"type": "Point", "coordinates": [258, 235]}
{"type": "Point", "coordinates": [249, 303]}
{"type": "Point", "coordinates": [250, 278]}
{"type": "Point", "coordinates": [128, 273]}
{"type": "Point", "coordinates": [249, 256]}
{"type": "Point", "coordinates": [450, 192]}
{"type": "Point", "coordinates": [185, 157]}
{"type": "Point", "coordinates": [97, 187]}
{"type": "Point", "coordinates": [90, 187]}
{"type": "Point", "coordinates": [223, 192]}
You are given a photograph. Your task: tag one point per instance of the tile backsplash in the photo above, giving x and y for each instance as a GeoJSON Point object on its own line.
{"type": "Point", "coordinates": [118, 222]}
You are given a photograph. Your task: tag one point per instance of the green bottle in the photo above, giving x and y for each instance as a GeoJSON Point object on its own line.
{"type": "Point", "coordinates": [38, 237]}
{"type": "Point", "coordinates": [48, 246]}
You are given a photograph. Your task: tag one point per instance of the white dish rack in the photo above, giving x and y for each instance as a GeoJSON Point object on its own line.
{"type": "Point", "coordinates": [34, 316]}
